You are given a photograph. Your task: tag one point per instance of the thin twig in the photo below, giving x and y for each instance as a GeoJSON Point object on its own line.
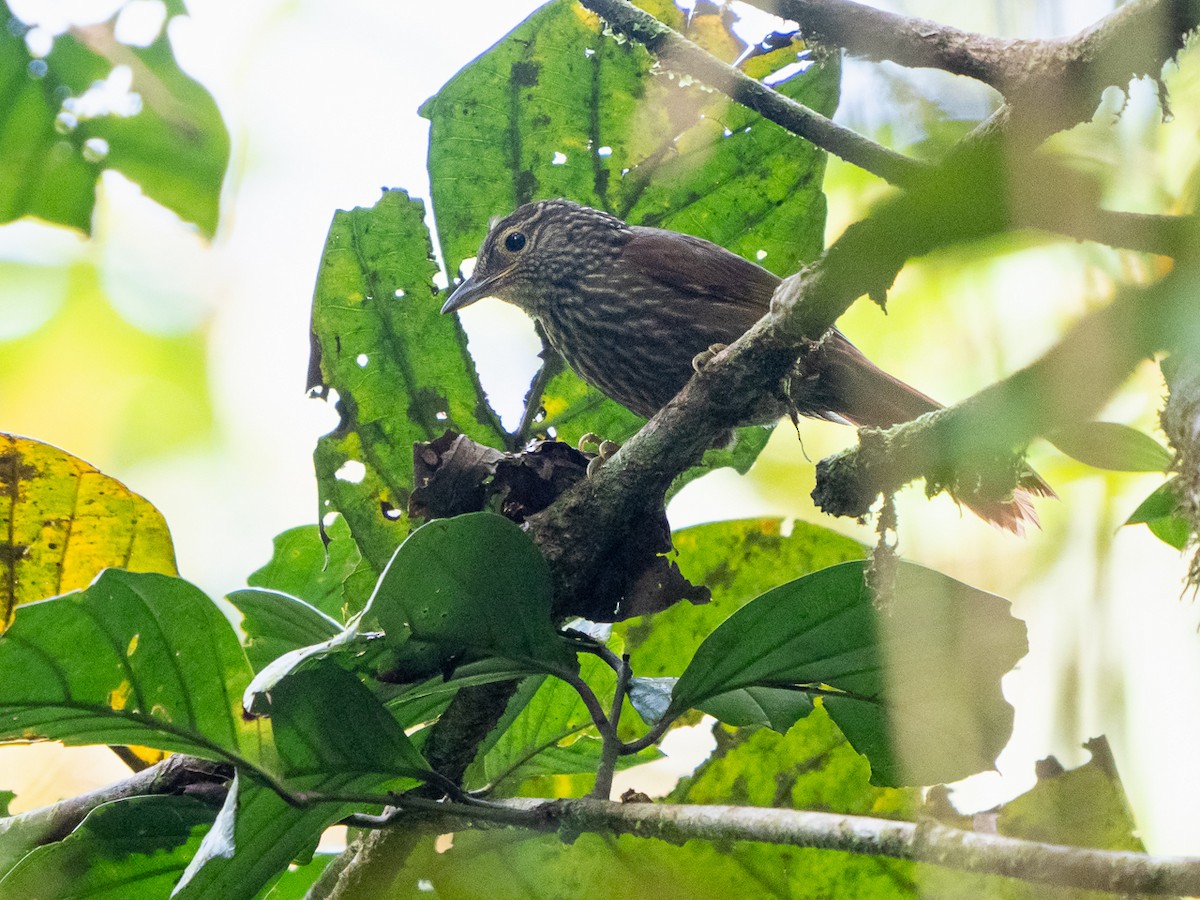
{"type": "Point", "coordinates": [612, 745]}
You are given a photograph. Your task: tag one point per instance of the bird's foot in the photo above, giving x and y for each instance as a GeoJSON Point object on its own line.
{"type": "Point", "coordinates": [604, 450]}
{"type": "Point", "coordinates": [704, 357]}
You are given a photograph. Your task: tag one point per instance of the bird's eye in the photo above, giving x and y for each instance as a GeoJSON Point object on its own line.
{"type": "Point", "coordinates": [515, 242]}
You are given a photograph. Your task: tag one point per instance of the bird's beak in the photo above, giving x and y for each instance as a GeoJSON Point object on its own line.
{"type": "Point", "coordinates": [468, 292]}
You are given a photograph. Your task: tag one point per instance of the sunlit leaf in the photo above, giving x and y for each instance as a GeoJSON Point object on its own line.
{"type": "Point", "coordinates": [557, 108]}
{"type": "Point", "coordinates": [63, 521]}
{"type": "Point", "coordinates": [917, 692]}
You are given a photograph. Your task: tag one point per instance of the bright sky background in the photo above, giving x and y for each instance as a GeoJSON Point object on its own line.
{"type": "Point", "coordinates": [321, 102]}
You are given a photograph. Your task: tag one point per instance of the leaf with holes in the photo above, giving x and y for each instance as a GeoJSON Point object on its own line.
{"type": "Point", "coordinates": [559, 108]}
{"type": "Point", "coordinates": [400, 369]}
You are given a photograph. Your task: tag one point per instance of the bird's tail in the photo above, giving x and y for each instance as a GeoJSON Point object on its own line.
{"type": "Point", "coordinates": [841, 384]}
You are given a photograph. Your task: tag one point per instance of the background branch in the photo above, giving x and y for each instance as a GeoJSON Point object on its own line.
{"type": "Point", "coordinates": [1070, 382]}
{"type": "Point", "coordinates": [928, 842]}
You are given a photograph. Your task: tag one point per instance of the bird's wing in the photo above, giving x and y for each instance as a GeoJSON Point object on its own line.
{"type": "Point", "coordinates": [691, 265]}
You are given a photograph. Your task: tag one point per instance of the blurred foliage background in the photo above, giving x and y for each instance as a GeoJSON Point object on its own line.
{"type": "Point", "coordinates": [175, 361]}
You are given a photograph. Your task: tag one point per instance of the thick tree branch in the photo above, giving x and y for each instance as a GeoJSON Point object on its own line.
{"type": "Point", "coordinates": [177, 774]}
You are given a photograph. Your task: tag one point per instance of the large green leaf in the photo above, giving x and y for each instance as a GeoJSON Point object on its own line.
{"type": "Point", "coordinates": [474, 582]}
{"type": "Point", "coordinates": [334, 738]}
{"type": "Point", "coordinates": [63, 521]}
{"type": "Point", "coordinates": [133, 849]}
{"type": "Point", "coordinates": [737, 561]}
{"type": "Point", "coordinates": [134, 659]}
{"type": "Point", "coordinates": [915, 689]}
{"type": "Point", "coordinates": [557, 108]}
{"type": "Point", "coordinates": [400, 369]}
{"type": "Point", "coordinates": [174, 145]}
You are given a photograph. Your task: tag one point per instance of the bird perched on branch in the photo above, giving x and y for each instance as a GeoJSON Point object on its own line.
{"type": "Point", "coordinates": [631, 308]}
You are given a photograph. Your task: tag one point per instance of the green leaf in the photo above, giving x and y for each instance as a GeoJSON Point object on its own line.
{"type": "Point", "coordinates": [917, 692]}
{"type": "Point", "coordinates": [1159, 513]}
{"type": "Point", "coordinates": [6, 797]}
{"type": "Point", "coordinates": [776, 708]}
{"type": "Point", "coordinates": [334, 737]}
{"type": "Point", "coordinates": [737, 560]}
{"type": "Point", "coordinates": [63, 521]}
{"type": "Point", "coordinates": [474, 582]}
{"type": "Point", "coordinates": [639, 143]}
{"type": "Point", "coordinates": [135, 659]}
{"type": "Point", "coordinates": [1110, 445]}
{"type": "Point", "coordinates": [174, 146]}
{"type": "Point", "coordinates": [1082, 807]}
{"type": "Point", "coordinates": [275, 624]}
{"type": "Point", "coordinates": [305, 566]}
{"type": "Point", "coordinates": [399, 367]}
{"type": "Point", "coordinates": [327, 722]}
{"type": "Point", "coordinates": [133, 848]}
{"type": "Point", "coordinates": [258, 834]}
{"type": "Point", "coordinates": [546, 730]}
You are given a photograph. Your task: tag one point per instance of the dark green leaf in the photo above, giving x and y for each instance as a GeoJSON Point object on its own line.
{"type": "Point", "coordinates": [275, 623]}
{"type": "Point", "coordinates": [6, 797]}
{"type": "Point", "coordinates": [1109, 445]}
{"type": "Point", "coordinates": [326, 722]}
{"type": "Point", "coordinates": [917, 692]}
{"type": "Point", "coordinates": [400, 368]}
{"type": "Point", "coordinates": [334, 738]}
{"type": "Point", "coordinates": [175, 146]}
{"type": "Point", "coordinates": [305, 566]}
{"type": "Point", "coordinates": [134, 659]}
{"type": "Point", "coordinates": [134, 848]}
{"type": "Point", "coordinates": [475, 582]}
{"type": "Point", "coordinates": [546, 730]}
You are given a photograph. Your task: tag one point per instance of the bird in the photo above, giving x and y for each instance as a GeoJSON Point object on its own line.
{"type": "Point", "coordinates": [633, 308]}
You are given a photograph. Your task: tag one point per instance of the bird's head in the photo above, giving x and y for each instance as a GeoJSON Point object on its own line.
{"type": "Point", "coordinates": [540, 248]}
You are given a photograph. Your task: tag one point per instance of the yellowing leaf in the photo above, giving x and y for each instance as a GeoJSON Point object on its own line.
{"type": "Point", "coordinates": [62, 521]}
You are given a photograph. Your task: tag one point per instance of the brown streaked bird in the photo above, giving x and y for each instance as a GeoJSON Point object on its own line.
{"type": "Point", "coordinates": [630, 307]}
